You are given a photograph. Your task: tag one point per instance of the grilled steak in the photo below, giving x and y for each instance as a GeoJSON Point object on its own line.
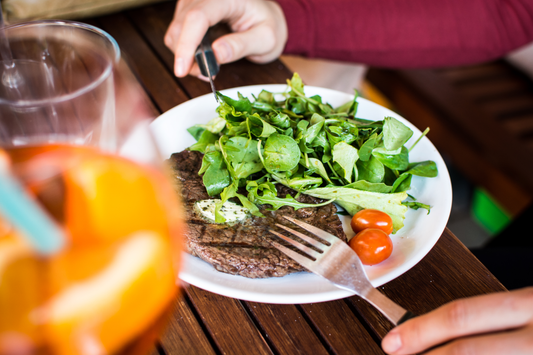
{"type": "Point", "coordinates": [243, 248]}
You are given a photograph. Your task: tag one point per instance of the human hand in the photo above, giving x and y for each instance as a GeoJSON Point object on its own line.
{"type": "Point", "coordinates": [498, 323]}
{"type": "Point", "coordinates": [259, 31]}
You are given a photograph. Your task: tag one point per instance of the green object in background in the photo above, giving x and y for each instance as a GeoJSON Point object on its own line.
{"type": "Point", "coordinates": [487, 212]}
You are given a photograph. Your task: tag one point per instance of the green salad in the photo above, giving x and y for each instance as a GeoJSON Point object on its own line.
{"type": "Point", "coordinates": [308, 145]}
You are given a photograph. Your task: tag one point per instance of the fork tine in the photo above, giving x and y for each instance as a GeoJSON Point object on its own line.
{"type": "Point", "coordinates": [308, 239]}
{"type": "Point", "coordinates": [302, 260]}
{"type": "Point", "coordinates": [312, 253]}
{"type": "Point", "coordinates": [312, 229]}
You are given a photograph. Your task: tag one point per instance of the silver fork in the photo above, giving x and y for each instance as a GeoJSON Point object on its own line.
{"type": "Point", "coordinates": [338, 263]}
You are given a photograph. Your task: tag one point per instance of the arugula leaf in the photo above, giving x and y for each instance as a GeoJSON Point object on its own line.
{"type": "Point", "coordinates": [319, 168]}
{"type": "Point", "coordinates": [395, 133]}
{"type": "Point", "coordinates": [370, 186]}
{"type": "Point", "coordinates": [266, 194]}
{"type": "Point", "coordinates": [243, 157]}
{"type": "Point", "coordinates": [196, 131]}
{"type": "Point", "coordinates": [371, 170]}
{"type": "Point", "coordinates": [426, 168]}
{"type": "Point", "coordinates": [340, 131]}
{"type": "Point", "coordinates": [242, 105]}
{"type": "Point", "coordinates": [365, 152]}
{"type": "Point", "coordinates": [346, 156]}
{"type": "Point", "coordinates": [216, 176]}
{"type": "Point", "coordinates": [394, 161]}
{"type": "Point", "coordinates": [229, 192]}
{"type": "Point", "coordinates": [259, 127]}
{"type": "Point", "coordinates": [416, 205]}
{"type": "Point", "coordinates": [279, 119]}
{"type": "Point", "coordinates": [350, 107]}
{"type": "Point", "coordinates": [206, 138]}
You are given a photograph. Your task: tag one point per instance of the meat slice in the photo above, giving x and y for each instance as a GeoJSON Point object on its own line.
{"type": "Point", "coordinates": [243, 248]}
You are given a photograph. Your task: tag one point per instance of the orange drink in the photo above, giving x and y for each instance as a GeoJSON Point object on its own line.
{"type": "Point", "coordinates": [115, 277]}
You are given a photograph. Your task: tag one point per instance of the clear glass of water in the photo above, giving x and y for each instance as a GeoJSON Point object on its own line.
{"type": "Point", "coordinates": [57, 82]}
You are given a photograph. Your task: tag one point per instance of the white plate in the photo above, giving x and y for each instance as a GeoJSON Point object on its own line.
{"type": "Point", "coordinates": [410, 244]}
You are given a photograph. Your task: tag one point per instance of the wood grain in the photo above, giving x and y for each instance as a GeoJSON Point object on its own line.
{"type": "Point", "coordinates": [184, 334]}
{"type": "Point", "coordinates": [228, 323]}
{"type": "Point", "coordinates": [340, 328]}
{"type": "Point", "coordinates": [286, 329]}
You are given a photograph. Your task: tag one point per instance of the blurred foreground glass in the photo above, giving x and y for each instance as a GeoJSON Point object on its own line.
{"type": "Point", "coordinates": [68, 110]}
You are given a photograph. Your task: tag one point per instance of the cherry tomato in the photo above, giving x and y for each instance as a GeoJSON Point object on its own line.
{"type": "Point", "coordinates": [372, 246]}
{"type": "Point", "coordinates": [370, 218]}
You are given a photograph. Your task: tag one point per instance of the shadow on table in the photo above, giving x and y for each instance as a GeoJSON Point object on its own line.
{"type": "Point", "coordinates": [509, 255]}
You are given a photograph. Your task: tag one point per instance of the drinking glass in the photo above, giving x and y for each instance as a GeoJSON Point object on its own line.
{"type": "Point", "coordinates": [68, 109]}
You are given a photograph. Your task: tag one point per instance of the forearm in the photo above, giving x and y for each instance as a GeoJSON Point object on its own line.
{"type": "Point", "coordinates": [410, 33]}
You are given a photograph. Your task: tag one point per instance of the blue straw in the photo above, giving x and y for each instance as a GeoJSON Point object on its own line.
{"type": "Point", "coordinates": [28, 217]}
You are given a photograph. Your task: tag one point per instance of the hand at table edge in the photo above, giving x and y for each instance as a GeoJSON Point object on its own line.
{"type": "Point", "coordinates": [497, 323]}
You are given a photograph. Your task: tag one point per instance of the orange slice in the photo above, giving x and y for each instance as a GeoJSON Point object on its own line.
{"type": "Point", "coordinates": [106, 310]}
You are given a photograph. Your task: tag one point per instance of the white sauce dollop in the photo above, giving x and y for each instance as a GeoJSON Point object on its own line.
{"type": "Point", "coordinates": [230, 211]}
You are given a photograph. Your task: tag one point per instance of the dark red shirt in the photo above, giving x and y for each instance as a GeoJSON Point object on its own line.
{"type": "Point", "coordinates": [407, 33]}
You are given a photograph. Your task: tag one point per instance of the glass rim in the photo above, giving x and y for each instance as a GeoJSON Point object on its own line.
{"type": "Point", "coordinates": [82, 90]}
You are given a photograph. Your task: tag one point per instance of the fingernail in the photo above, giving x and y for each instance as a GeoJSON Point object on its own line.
{"type": "Point", "coordinates": [392, 342]}
{"type": "Point", "coordinates": [223, 51]}
{"type": "Point", "coordinates": [179, 67]}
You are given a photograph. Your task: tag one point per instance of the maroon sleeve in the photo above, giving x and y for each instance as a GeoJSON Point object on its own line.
{"type": "Point", "coordinates": [407, 33]}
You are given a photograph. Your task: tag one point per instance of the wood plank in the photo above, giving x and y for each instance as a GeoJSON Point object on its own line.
{"type": "Point", "coordinates": [519, 125]}
{"type": "Point", "coordinates": [465, 74]}
{"type": "Point", "coordinates": [286, 329]}
{"type": "Point", "coordinates": [497, 89]}
{"type": "Point", "coordinates": [509, 106]}
{"type": "Point", "coordinates": [184, 334]}
{"type": "Point", "coordinates": [448, 272]}
{"type": "Point", "coordinates": [340, 328]}
{"type": "Point", "coordinates": [152, 74]}
{"type": "Point", "coordinates": [228, 323]}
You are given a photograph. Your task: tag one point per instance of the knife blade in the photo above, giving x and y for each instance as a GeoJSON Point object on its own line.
{"type": "Point", "coordinates": [205, 57]}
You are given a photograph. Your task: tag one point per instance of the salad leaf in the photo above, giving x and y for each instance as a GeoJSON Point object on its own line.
{"type": "Point", "coordinates": [243, 157]}
{"type": "Point", "coordinates": [346, 156]}
{"type": "Point", "coordinates": [216, 176]}
{"type": "Point", "coordinates": [281, 153]}
{"type": "Point", "coordinates": [395, 133]}
{"type": "Point", "coordinates": [392, 159]}
{"type": "Point", "coordinates": [371, 171]}
{"type": "Point", "coordinates": [266, 194]}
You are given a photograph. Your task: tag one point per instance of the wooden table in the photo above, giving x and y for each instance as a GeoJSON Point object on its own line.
{"type": "Point", "coordinates": [207, 323]}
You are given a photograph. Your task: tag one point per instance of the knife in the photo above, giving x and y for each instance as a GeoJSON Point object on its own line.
{"type": "Point", "coordinates": [206, 60]}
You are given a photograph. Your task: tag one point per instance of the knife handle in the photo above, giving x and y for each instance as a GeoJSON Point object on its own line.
{"type": "Point", "coordinates": [408, 315]}
{"type": "Point", "coordinates": [209, 60]}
